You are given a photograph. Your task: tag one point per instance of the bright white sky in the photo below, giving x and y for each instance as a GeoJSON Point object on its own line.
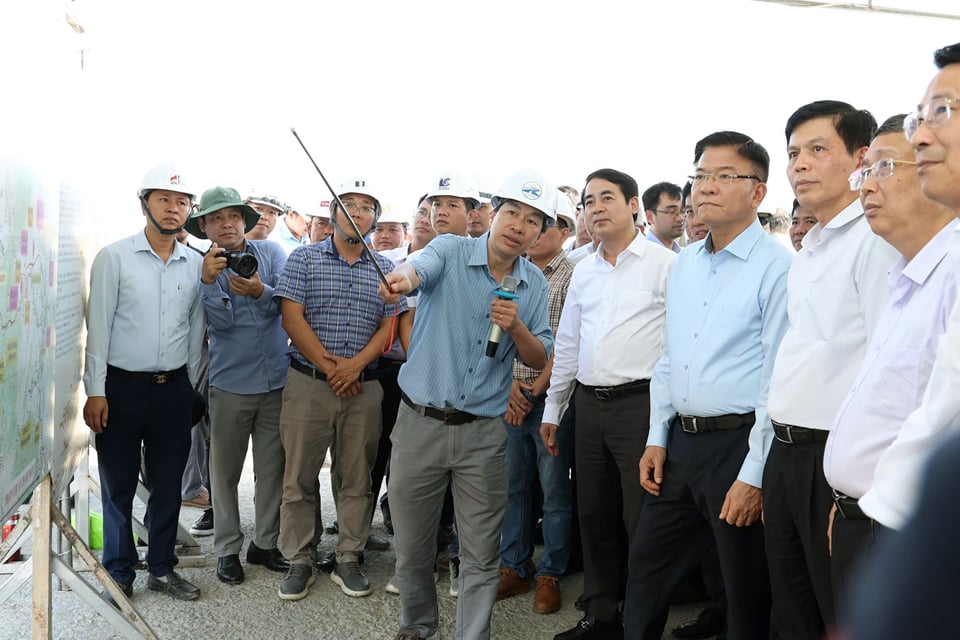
{"type": "Point", "coordinates": [396, 91]}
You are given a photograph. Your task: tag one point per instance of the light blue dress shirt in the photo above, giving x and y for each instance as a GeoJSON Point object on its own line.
{"type": "Point", "coordinates": [447, 367]}
{"type": "Point", "coordinates": [142, 314]}
{"type": "Point", "coordinates": [726, 315]}
{"type": "Point", "coordinates": [652, 237]}
{"type": "Point", "coordinates": [248, 346]}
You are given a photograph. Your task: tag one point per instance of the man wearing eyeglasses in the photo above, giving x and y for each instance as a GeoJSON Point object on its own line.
{"type": "Point", "coordinates": [934, 133]}
{"type": "Point", "coordinates": [836, 291]}
{"type": "Point", "coordinates": [899, 359]}
{"type": "Point", "coordinates": [337, 325]}
{"type": "Point", "coordinates": [726, 313]}
{"type": "Point", "coordinates": [664, 213]}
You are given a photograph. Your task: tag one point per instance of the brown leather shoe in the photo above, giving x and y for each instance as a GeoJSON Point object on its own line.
{"type": "Point", "coordinates": [547, 598]}
{"type": "Point", "coordinates": [511, 584]}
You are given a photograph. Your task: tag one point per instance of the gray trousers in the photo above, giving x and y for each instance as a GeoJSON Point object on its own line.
{"type": "Point", "coordinates": [236, 419]}
{"type": "Point", "coordinates": [427, 455]}
{"type": "Point", "coordinates": [312, 414]}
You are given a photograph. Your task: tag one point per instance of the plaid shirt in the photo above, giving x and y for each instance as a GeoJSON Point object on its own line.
{"type": "Point", "coordinates": [558, 273]}
{"type": "Point", "coordinates": [340, 300]}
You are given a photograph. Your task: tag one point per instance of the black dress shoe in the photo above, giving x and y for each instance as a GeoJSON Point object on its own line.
{"type": "Point", "coordinates": [589, 628]}
{"type": "Point", "coordinates": [709, 623]}
{"type": "Point", "coordinates": [229, 569]}
{"type": "Point", "coordinates": [127, 591]}
{"type": "Point", "coordinates": [329, 563]}
{"type": "Point", "coordinates": [174, 586]}
{"type": "Point", "coordinates": [270, 558]}
{"type": "Point", "coordinates": [385, 510]}
{"type": "Point", "coordinates": [333, 529]}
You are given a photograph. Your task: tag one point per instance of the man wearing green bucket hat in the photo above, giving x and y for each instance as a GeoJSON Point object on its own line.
{"type": "Point", "coordinates": [248, 370]}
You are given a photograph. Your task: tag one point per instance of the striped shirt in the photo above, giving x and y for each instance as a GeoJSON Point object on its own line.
{"type": "Point", "coordinates": [340, 300]}
{"type": "Point", "coordinates": [558, 273]}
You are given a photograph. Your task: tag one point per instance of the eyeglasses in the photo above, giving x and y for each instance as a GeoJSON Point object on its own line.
{"type": "Point", "coordinates": [670, 211]}
{"type": "Point", "coordinates": [934, 113]}
{"type": "Point", "coordinates": [722, 178]}
{"type": "Point", "coordinates": [351, 208]}
{"type": "Point", "coordinates": [880, 170]}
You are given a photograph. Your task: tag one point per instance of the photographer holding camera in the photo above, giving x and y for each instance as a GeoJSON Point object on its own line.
{"type": "Point", "coordinates": [248, 371]}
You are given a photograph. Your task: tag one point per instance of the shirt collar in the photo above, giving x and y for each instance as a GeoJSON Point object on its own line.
{"type": "Point", "coordinates": [554, 264]}
{"type": "Point", "coordinates": [478, 258]}
{"type": "Point", "coordinates": [140, 243]}
{"type": "Point", "coordinates": [652, 237]}
{"type": "Point", "coordinates": [327, 246]}
{"type": "Point", "coordinates": [923, 264]}
{"type": "Point", "coordinates": [741, 246]}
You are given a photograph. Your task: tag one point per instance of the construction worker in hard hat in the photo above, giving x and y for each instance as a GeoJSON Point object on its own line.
{"type": "Point", "coordinates": [246, 385]}
{"type": "Point", "coordinates": [478, 219]}
{"type": "Point", "coordinates": [291, 230]}
{"type": "Point", "coordinates": [145, 327]}
{"type": "Point", "coordinates": [318, 222]}
{"type": "Point", "coordinates": [337, 327]}
{"type": "Point", "coordinates": [449, 428]}
{"type": "Point", "coordinates": [390, 232]}
{"type": "Point", "coordinates": [270, 209]}
{"type": "Point", "coordinates": [453, 196]}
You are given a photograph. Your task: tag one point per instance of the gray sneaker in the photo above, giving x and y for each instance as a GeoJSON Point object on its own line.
{"type": "Point", "coordinates": [351, 580]}
{"type": "Point", "coordinates": [296, 584]}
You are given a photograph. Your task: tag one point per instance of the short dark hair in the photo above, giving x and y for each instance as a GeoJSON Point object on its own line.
{"type": "Point", "coordinates": [893, 124]}
{"type": "Point", "coordinates": [685, 191]}
{"type": "Point", "coordinates": [651, 197]}
{"type": "Point", "coordinates": [628, 186]}
{"type": "Point", "coordinates": [854, 126]}
{"type": "Point", "coordinates": [422, 198]}
{"type": "Point", "coordinates": [793, 209]}
{"type": "Point", "coordinates": [947, 55]}
{"type": "Point", "coordinates": [744, 145]}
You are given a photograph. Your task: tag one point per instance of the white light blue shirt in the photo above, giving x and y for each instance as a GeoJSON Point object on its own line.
{"type": "Point", "coordinates": [652, 237]}
{"type": "Point", "coordinates": [897, 366]}
{"type": "Point", "coordinates": [282, 235]}
{"type": "Point", "coordinates": [726, 315]}
{"type": "Point", "coordinates": [142, 314]}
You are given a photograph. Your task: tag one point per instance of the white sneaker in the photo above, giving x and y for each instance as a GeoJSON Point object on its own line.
{"type": "Point", "coordinates": [391, 588]}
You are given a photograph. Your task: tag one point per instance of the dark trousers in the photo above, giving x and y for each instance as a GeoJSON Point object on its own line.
{"type": "Point", "coordinates": [796, 509]}
{"type": "Point", "coordinates": [158, 418]}
{"type": "Point", "coordinates": [609, 440]}
{"type": "Point", "coordinates": [854, 540]}
{"type": "Point", "coordinates": [676, 529]}
{"type": "Point", "coordinates": [388, 415]}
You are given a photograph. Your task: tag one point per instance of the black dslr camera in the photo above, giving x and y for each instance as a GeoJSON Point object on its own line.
{"type": "Point", "coordinates": [245, 264]}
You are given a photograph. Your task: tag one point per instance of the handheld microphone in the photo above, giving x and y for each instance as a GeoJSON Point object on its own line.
{"type": "Point", "coordinates": [507, 291]}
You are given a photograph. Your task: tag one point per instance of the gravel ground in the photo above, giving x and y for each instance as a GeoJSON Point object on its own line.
{"type": "Point", "coordinates": [253, 610]}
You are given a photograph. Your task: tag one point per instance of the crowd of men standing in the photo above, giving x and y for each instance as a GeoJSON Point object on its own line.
{"type": "Point", "coordinates": [666, 394]}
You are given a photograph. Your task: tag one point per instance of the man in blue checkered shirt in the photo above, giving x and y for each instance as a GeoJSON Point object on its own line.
{"type": "Point", "coordinates": [337, 324]}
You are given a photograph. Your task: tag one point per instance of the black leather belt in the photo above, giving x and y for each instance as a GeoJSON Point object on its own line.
{"type": "Point", "coordinates": [849, 507]}
{"type": "Point", "coordinates": [316, 374]}
{"type": "Point", "coordinates": [792, 434]}
{"type": "Point", "coordinates": [153, 377]}
{"type": "Point", "coordinates": [617, 391]}
{"type": "Point", "coordinates": [447, 416]}
{"type": "Point", "coordinates": [726, 422]}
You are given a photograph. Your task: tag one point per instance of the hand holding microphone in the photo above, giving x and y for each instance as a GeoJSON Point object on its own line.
{"type": "Point", "coordinates": [503, 313]}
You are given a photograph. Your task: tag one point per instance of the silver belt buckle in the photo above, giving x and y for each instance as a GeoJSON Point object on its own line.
{"type": "Point", "coordinates": [693, 429]}
{"type": "Point", "coordinates": [159, 378]}
{"type": "Point", "coordinates": [602, 393]}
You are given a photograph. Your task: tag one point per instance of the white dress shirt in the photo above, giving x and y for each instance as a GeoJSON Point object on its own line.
{"type": "Point", "coordinates": [896, 481]}
{"type": "Point", "coordinates": [611, 328]}
{"type": "Point", "coordinates": [836, 291]}
{"type": "Point", "coordinates": [894, 375]}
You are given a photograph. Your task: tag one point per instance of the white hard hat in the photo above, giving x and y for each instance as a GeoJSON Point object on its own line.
{"type": "Point", "coordinates": [321, 211]}
{"type": "Point", "coordinates": [457, 185]}
{"type": "Point", "coordinates": [358, 186]}
{"type": "Point", "coordinates": [267, 200]}
{"type": "Point", "coordinates": [567, 211]}
{"type": "Point", "coordinates": [165, 176]}
{"type": "Point", "coordinates": [530, 187]}
{"type": "Point", "coordinates": [485, 197]}
{"type": "Point", "coordinates": [392, 215]}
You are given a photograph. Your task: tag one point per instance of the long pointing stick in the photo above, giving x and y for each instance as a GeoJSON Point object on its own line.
{"type": "Point", "coordinates": [353, 224]}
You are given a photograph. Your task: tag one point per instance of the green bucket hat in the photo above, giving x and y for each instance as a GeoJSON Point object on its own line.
{"type": "Point", "coordinates": [216, 199]}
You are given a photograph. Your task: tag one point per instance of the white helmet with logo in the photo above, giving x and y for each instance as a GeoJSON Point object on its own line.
{"type": "Point", "coordinates": [393, 215]}
{"type": "Point", "coordinates": [529, 187]}
{"type": "Point", "coordinates": [165, 176]}
{"type": "Point", "coordinates": [457, 185]}
{"type": "Point", "coordinates": [357, 186]}
{"type": "Point", "coordinates": [267, 200]}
